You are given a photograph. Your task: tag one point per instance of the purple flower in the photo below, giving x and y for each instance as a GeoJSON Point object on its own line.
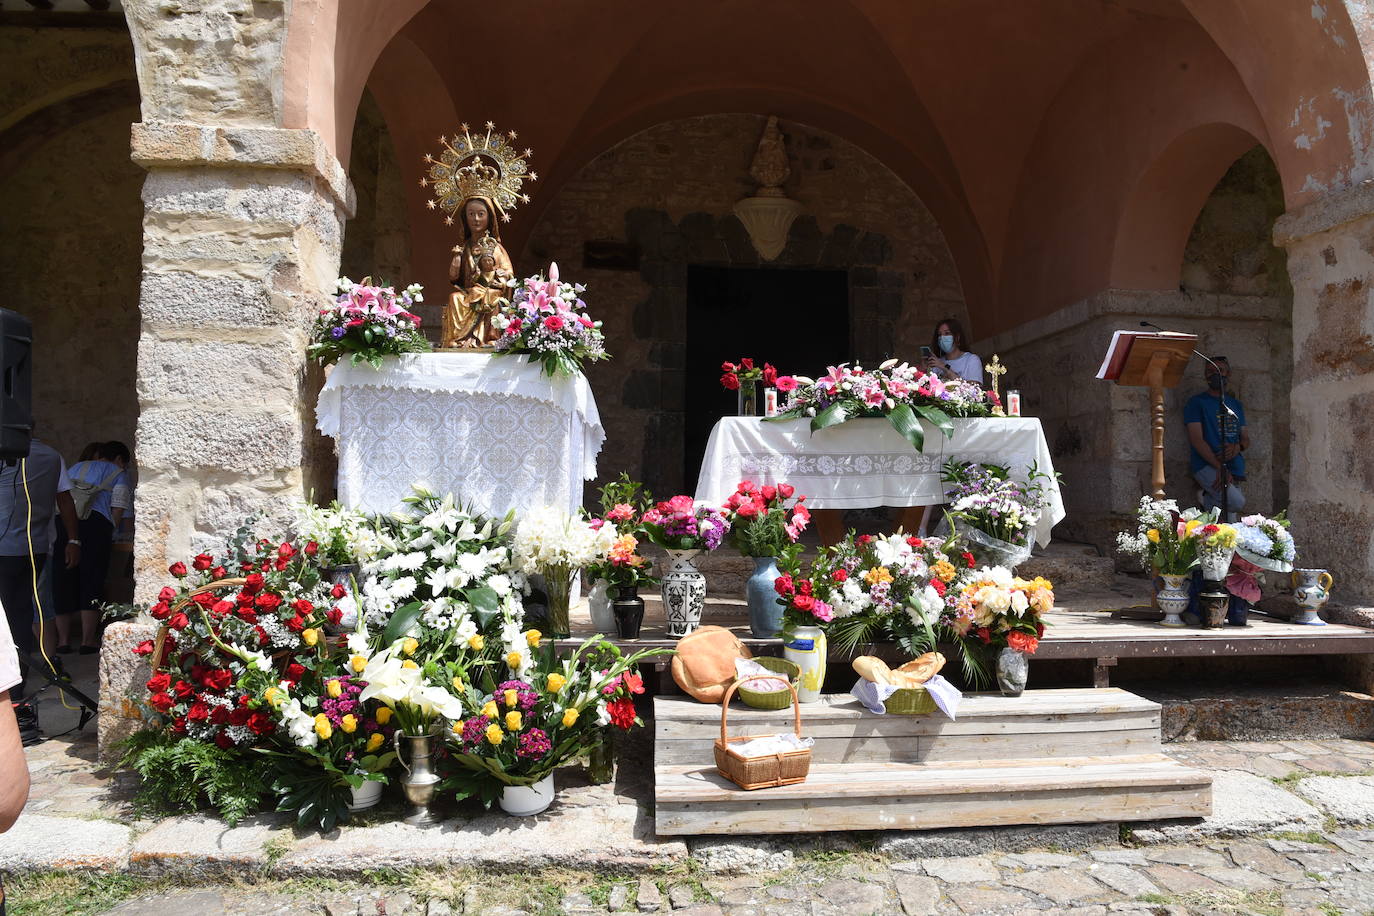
{"type": "Point", "coordinates": [534, 743]}
{"type": "Point", "coordinates": [336, 333]}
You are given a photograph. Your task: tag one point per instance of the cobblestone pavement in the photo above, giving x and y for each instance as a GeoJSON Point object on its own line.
{"type": "Point", "coordinates": [1292, 832]}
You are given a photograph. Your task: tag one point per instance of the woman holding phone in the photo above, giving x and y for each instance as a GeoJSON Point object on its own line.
{"type": "Point", "coordinates": [946, 356]}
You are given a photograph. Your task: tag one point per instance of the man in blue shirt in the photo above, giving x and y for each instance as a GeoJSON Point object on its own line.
{"type": "Point", "coordinates": [1218, 443]}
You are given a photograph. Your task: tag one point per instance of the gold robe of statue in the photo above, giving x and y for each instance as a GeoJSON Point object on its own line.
{"type": "Point", "coordinates": [479, 270]}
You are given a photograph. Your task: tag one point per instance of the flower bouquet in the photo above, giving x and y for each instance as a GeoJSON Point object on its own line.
{"type": "Point", "coordinates": [548, 320]}
{"type": "Point", "coordinates": [764, 521]}
{"type": "Point", "coordinates": [557, 545]}
{"type": "Point", "coordinates": [367, 323]}
{"type": "Point", "coordinates": [1266, 542]}
{"type": "Point", "coordinates": [1216, 546]}
{"type": "Point", "coordinates": [995, 514]}
{"type": "Point", "coordinates": [1004, 612]}
{"type": "Point", "coordinates": [515, 733]}
{"type": "Point", "coordinates": [680, 524]}
{"type": "Point", "coordinates": [744, 377]}
{"type": "Point", "coordinates": [1163, 539]}
{"type": "Point", "coordinates": [902, 393]}
{"type": "Point", "coordinates": [344, 538]}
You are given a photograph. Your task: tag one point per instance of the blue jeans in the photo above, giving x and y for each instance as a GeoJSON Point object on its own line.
{"type": "Point", "coordinates": [1211, 493]}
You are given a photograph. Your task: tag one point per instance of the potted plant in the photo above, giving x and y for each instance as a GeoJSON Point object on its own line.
{"type": "Point", "coordinates": [623, 501]}
{"type": "Point", "coordinates": [765, 524]}
{"type": "Point", "coordinates": [626, 571]}
{"type": "Point", "coordinates": [558, 545]}
{"type": "Point", "coordinates": [684, 530]}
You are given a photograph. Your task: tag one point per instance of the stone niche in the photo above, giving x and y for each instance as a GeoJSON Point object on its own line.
{"type": "Point", "coordinates": [669, 191]}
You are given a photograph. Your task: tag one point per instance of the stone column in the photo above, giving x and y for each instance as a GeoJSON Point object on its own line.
{"type": "Point", "coordinates": [1330, 246]}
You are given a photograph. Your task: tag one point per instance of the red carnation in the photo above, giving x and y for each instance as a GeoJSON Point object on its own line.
{"type": "Point", "coordinates": [1022, 642]}
{"type": "Point", "coordinates": [783, 584]}
{"type": "Point", "coordinates": [622, 712]}
{"type": "Point", "coordinates": [159, 682]}
{"type": "Point", "coordinates": [940, 587]}
{"type": "Point", "coordinates": [804, 586]}
{"type": "Point", "coordinates": [203, 562]}
{"type": "Point", "coordinates": [178, 621]}
{"type": "Point", "coordinates": [311, 548]}
{"type": "Point", "coordinates": [144, 648]}
{"type": "Point", "coordinates": [178, 569]}
{"type": "Point", "coordinates": [338, 591]}
{"type": "Point", "coordinates": [863, 540]}
{"type": "Point", "coordinates": [968, 558]}
{"type": "Point", "coordinates": [161, 702]}
{"type": "Point", "coordinates": [804, 603]}
{"type": "Point", "coordinates": [730, 380]}
{"type": "Point", "coordinates": [839, 575]}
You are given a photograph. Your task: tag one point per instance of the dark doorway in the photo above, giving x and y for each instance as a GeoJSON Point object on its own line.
{"type": "Point", "coordinates": [798, 320]}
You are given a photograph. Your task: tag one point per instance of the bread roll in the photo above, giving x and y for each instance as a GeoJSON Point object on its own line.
{"type": "Point", "coordinates": [873, 669]}
{"type": "Point", "coordinates": [917, 671]}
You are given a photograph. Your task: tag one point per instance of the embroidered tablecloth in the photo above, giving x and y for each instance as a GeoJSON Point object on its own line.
{"type": "Point", "coordinates": [866, 463]}
{"type": "Point", "coordinates": [492, 430]}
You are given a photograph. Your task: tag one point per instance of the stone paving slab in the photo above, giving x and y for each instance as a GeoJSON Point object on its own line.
{"type": "Point", "coordinates": [199, 847]}
{"type": "Point", "coordinates": [40, 842]}
{"type": "Point", "coordinates": [1349, 799]}
{"type": "Point", "coordinates": [1242, 804]}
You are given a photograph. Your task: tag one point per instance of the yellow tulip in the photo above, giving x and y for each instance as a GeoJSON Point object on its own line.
{"type": "Point", "coordinates": [409, 645]}
{"type": "Point", "coordinates": [322, 727]}
{"type": "Point", "coordinates": [358, 662]}
{"type": "Point", "coordinates": [310, 635]}
{"type": "Point", "coordinates": [409, 663]}
{"type": "Point", "coordinates": [513, 720]}
{"type": "Point", "coordinates": [457, 683]}
{"type": "Point", "coordinates": [1153, 535]}
{"type": "Point", "coordinates": [334, 688]}
{"type": "Point", "coordinates": [349, 724]}
{"type": "Point", "coordinates": [476, 643]}
{"type": "Point", "coordinates": [490, 710]}
{"type": "Point", "coordinates": [273, 695]}
{"type": "Point", "coordinates": [556, 682]}
{"type": "Point", "coordinates": [569, 718]}
{"type": "Point", "coordinates": [512, 697]}
{"type": "Point", "coordinates": [513, 659]}
{"type": "Point", "coordinates": [374, 741]}
{"type": "Point", "coordinates": [533, 637]}
{"type": "Point", "coordinates": [494, 733]}
{"type": "Point", "coordinates": [384, 715]}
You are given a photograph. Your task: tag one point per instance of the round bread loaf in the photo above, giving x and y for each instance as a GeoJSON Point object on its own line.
{"type": "Point", "coordinates": [704, 665]}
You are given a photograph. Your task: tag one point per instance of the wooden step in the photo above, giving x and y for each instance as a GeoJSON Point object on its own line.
{"type": "Point", "coordinates": [1040, 724]}
{"type": "Point", "coordinates": [922, 796]}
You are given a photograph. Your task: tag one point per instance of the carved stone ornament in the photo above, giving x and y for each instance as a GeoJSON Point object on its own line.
{"type": "Point", "coordinates": [768, 215]}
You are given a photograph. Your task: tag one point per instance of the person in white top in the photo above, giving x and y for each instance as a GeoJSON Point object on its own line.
{"type": "Point", "coordinates": [14, 770]}
{"type": "Point", "coordinates": [950, 360]}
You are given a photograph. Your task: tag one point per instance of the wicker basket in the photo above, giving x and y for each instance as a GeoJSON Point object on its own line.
{"type": "Point", "coordinates": [160, 641]}
{"type": "Point", "coordinates": [760, 772]}
{"type": "Point", "coordinates": [910, 701]}
{"type": "Point", "coordinates": [770, 699]}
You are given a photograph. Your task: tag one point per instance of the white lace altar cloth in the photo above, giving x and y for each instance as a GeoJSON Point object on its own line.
{"type": "Point", "coordinates": [492, 430]}
{"type": "Point", "coordinates": [865, 463]}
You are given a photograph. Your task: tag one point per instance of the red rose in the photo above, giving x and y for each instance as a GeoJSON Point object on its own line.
{"type": "Point", "coordinates": [218, 678]}
{"type": "Point", "coordinates": [248, 615]}
{"type": "Point", "coordinates": [747, 363]}
{"type": "Point", "coordinates": [160, 611]}
{"type": "Point", "coordinates": [338, 591]}
{"type": "Point", "coordinates": [198, 712]}
{"type": "Point", "coordinates": [804, 603]}
{"type": "Point", "coordinates": [770, 375]}
{"type": "Point", "coordinates": [144, 648]}
{"type": "Point", "coordinates": [1039, 630]}
{"type": "Point", "coordinates": [259, 723]}
{"type": "Point", "coordinates": [968, 558]}
{"type": "Point", "coordinates": [728, 367]}
{"type": "Point", "coordinates": [184, 691]}
{"type": "Point", "coordinates": [1022, 642]}
{"type": "Point", "coordinates": [178, 569]}
{"type": "Point", "coordinates": [161, 702]}
{"type": "Point", "coordinates": [286, 551]}
{"type": "Point", "coordinates": [783, 584]}
{"type": "Point", "coordinates": [240, 716]}
{"type": "Point", "coordinates": [804, 586]}
{"type": "Point", "coordinates": [179, 725]}
{"type": "Point", "coordinates": [294, 672]}
{"type": "Point", "coordinates": [622, 712]}
{"type": "Point", "coordinates": [730, 380]}
{"type": "Point", "coordinates": [202, 562]}
{"type": "Point", "coordinates": [915, 543]}
{"type": "Point", "coordinates": [335, 616]}
{"type": "Point", "coordinates": [311, 549]}
{"type": "Point", "coordinates": [205, 600]}
{"type": "Point", "coordinates": [263, 638]}
{"type": "Point", "coordinates": [633, 682]}
{"type": "Point", "coordinates": [302, 607]}
{"type": "Point", "coordinates": [219, 572]}
{"type": "Point", "coordinates": [984, 634]}
{"type": "Point", "coordinates": [769, 492]}
{"type": "Point", "coordinates": [222, 607]}
{"type": "Point", "coordinates": [940, 587]}
{"type": "Point", "coordinates": [167, 594]}
{"type": "Point", "coordinates": [295, 625]}
{"type": "Point", "coordinates": [268, 601]}
{"type": "Point", "coordinates": [747, 510]}
{"type": "Point", "coordinates": [159, 682]}
{"type": "Point", "coordinates": [178, 621]}
{"type": "Point", "coordinates": [839, 575]}
{"type": "Point", "coordinates": [219, 715]}
{"type": "Point", "coordinates": [280, 564]}
{"type": "Point", "coordinates": [863, 540]}
{"type": "Point", "coordinates": [254, 584]}
{"type": "Point", "coordinates": [785, 490]}
{"type": "Point", "coordinates": [224, 741]}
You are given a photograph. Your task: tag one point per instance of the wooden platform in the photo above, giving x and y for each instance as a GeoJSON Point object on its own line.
{"type": "Point", "coordinates": [1047, 757]}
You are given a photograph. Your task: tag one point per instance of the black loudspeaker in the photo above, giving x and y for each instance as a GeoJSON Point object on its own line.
{"type": "Point", "coordinates": [16, 384]}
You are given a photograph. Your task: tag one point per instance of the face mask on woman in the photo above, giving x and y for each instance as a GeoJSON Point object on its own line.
{"type": "Point", "coordinates": [946, 342]}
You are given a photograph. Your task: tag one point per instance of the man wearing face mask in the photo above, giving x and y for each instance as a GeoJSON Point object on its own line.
{"type": "Point", "coordinates": [1218, 457]}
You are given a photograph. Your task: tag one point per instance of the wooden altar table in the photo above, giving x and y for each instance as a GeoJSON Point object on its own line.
{"type": "Point", "coordinates": [865, 463]}
{"type": "Point", "coordinates": [492, 430]}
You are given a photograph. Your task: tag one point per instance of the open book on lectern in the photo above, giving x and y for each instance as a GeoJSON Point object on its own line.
{"type": "Point", "coordinates": [1120, 350]}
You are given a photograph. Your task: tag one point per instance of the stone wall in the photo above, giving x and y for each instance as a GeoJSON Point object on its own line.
{"type": "Point", "coordinates": [70, 237]}
{"type": "Point", "coordinates": [377, 238]}
{"type": "Point", "coordinates": [669, 192]}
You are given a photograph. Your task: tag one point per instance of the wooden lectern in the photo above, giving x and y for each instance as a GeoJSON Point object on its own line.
{"type": "Point", "coordinates": [1154, 361]}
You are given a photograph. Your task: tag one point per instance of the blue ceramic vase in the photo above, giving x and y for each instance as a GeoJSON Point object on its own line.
{"type": "Point", "coordinates": [765, 610]}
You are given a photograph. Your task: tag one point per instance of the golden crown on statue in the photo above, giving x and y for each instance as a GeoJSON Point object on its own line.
{"type": "Point", "coordinates": [482, 164]}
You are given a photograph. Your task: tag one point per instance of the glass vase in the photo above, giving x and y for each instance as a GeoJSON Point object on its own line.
{"type": "Point", "coordinates": [601, 759]}
{"type": "Point", "coordinates": [559, 588]}
{"type": "Point", "coordinates": [1012, 670]}
{"type": "Point", "coordinates": [748, 399]}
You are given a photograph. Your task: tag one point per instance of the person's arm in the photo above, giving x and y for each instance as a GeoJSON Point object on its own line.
{"type": "Point", "coordinates": [14, 769]}
{"type": "Point", "coordinates": [66, 509]}
{"type": "Point", "coordinates": [1201, 446]}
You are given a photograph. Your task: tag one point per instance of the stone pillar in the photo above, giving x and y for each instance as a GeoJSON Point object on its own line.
{"type": "Point", "coordinates": [1330, 246]}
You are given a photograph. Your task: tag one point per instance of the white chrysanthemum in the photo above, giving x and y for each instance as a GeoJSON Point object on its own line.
{"type": "Point", "coordinates": [500, 584]}
{"type": "Point", "coordinates": [402, 588]}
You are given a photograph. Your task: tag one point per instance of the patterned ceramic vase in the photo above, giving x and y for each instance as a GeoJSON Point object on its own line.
{"type": "Point", "coordinates": [1172, 599]}
{"type": "Point", "coordinates": [1311, 589]}
{"type": "Point", "coordinates": [807, 651]}
{"type": "Point", "coordinates": [684, 593]}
